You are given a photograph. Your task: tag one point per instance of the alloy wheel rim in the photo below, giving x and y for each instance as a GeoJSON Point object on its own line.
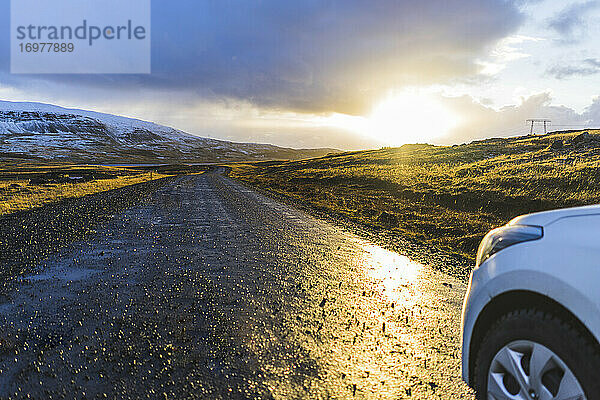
{"type": "Point", "coordinates": [526, 370]}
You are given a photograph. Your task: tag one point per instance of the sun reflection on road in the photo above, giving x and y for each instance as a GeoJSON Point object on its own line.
{"type": "Point", "coordinates": [400, 335]}
{"type": "Point", "coordinates": [395, 272]}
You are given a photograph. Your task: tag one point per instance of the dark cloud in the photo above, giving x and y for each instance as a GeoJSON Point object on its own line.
{"type": "Point", "coordinates": [587, 67]}
{"type": "Point", "coordinates": [312, 55]}
{"type": "Point", "coordinates": [327, 55]}
{"type": "Point", "coordinates": [570, 22]}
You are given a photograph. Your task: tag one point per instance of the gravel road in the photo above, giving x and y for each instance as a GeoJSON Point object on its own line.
{"type": "Point", "coordinates": [212, 290]}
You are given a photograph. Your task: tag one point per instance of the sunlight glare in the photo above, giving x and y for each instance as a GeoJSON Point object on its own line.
{"type": "Point", "coordinates": [409, 116]}
{"type": "Point", "coordinates": [397, 274]}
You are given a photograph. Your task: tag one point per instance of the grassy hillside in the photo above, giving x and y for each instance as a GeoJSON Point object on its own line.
{"type": "Point", "coordinates": [446, 196]}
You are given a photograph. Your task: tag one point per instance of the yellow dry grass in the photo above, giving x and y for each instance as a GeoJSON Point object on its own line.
{"type": "Point", "coordinates": [17, 193]}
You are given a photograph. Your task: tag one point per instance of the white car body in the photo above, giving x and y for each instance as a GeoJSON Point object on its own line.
{"type": "Point", "coordinates": [562, 269]}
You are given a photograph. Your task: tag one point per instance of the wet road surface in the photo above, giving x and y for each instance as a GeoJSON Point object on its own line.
{"type": "Point", "coordinates": [211, 290]}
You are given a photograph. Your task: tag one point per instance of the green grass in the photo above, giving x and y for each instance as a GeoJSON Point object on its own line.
{"type": "Point", "coordinates": [449, 196]}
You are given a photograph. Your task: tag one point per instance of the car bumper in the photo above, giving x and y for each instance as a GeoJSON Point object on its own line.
{"type": "Point", "coordinates": [475, 300]}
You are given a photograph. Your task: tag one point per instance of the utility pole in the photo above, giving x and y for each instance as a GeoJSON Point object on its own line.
{"type": "Point", "coordinates": [538, 120]}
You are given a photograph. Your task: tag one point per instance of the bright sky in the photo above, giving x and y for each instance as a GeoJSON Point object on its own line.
{"type": "Point", "coordinates": [348, 74]}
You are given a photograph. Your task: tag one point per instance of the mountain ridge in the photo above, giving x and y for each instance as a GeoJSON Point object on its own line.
{"type": "Point", "coordinates": [45, 132]}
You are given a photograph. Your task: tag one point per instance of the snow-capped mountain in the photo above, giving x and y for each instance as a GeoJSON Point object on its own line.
{"type": "Point", "coordinates": [38, 131]}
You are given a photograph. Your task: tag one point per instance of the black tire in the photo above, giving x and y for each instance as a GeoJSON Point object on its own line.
{"type": "Point", "coordinates": [575, 348]}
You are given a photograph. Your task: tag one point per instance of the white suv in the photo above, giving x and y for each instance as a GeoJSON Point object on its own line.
{"type": "Point", "coordinates": [531, 316]}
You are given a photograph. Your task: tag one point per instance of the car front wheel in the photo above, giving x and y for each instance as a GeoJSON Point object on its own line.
{"type": "Point", "coordinates": [533, 355]}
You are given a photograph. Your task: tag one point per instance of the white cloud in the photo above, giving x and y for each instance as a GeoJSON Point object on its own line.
{"type": "Point", "coordinates": [506, 50]}
{"type": "Point", "coordinates": [480, 121]}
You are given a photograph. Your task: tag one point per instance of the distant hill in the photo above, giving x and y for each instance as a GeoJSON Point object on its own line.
{"type": "Point", "coordinates": [43, 132]}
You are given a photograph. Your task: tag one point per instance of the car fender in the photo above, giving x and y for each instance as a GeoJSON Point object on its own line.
{"type": "Point", "coordinates": [534, 281]}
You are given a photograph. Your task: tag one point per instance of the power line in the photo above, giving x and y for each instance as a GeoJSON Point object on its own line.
{"type": "Point", "coordinates": [518, 129]}
{"type": "Point", "coordinates": [538, 120]}
{"type": "Point", "coordinates": [579, 125]}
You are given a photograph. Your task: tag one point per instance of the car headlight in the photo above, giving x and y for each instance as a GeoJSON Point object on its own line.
{"type": "Point", "coordinates": [506, 236]}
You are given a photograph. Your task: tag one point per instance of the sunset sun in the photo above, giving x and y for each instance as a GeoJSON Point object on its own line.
{"type": "Point", "coordinates": [409, 117]}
